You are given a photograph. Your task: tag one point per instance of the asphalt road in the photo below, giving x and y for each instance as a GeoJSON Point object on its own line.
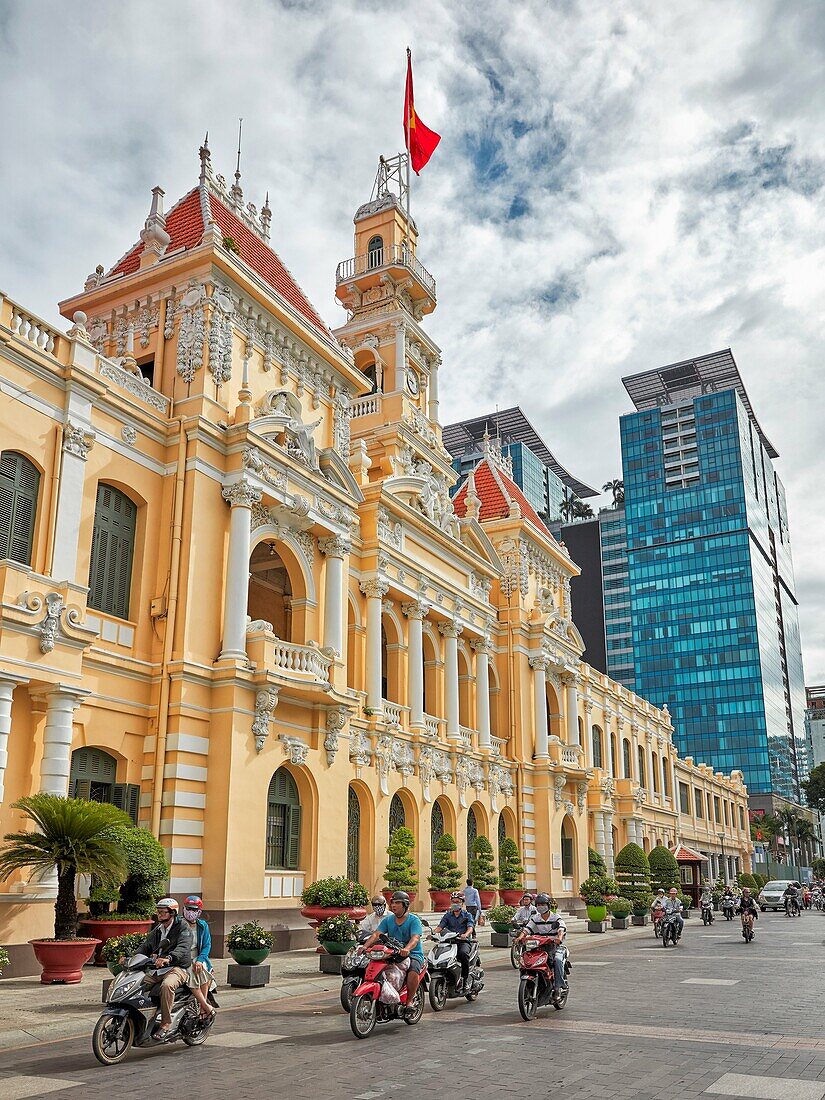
{"type": "Point", "coordinates": [713, 1016]}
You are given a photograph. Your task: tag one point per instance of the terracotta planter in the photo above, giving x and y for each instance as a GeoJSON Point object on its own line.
{"type": "Point", "coordinates": [62, 960]}
{"type": "Point", "coordinates": [440, 900]}
{"type": "Point", "coordinates": [105, 930]}
{"type": "Point", "coordinates": [488, 898]}
{"type": "Point", "coordinates": [511, 897]}
{"type": "Point", "coordinates": [389, 893]}
{"type": "Point", "coordinates": [317, 914]}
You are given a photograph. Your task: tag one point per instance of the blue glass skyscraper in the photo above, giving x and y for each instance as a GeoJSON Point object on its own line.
{"type": "Point", "coordinates": [714, 616]}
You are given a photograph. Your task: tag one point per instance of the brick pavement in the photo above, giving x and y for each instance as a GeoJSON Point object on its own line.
{"type": "Point", "coordinates": [632, 1029]}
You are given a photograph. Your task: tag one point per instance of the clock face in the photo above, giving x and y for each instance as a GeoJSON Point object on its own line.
{"type": "Point", "coordinates": [412, 382]}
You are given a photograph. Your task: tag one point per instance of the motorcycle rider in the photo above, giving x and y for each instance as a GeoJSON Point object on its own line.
{"type": "Point", "coordinates": [457, 919]}
{"type": "Point", "coordinates": [373, 919]}
{"type": "Point", "coordinates": [547, 922]}
{"type": "Point", "coordinates": [405, 926]}
{"type": "Point", "coordinates": [791, 896]}
{"type": "Point", "coordinates": [169, 943]}
{"type": "Point", "coordinates": [526, 910]}
{"type": "Point", "coordinates": [706, 901]}
{"type": "Point", "coordinates": [673, 905]}
{"type": "Point", "coordinates": [728, 899]}
{"type": "Point", "coordinates": [747, 905]}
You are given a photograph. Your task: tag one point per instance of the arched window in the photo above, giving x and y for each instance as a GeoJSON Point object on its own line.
{"type": "Point", "coordinates": [614, 763]}
{"type": "Point", "coordinates": [568, 856]}
{"type": "Point", "coordinates": [375, 251]}
{"type": "Point", "coordinates": [92, 776]}
{"type": "Point", "coordinates": [596, 734]}
{"type": "Point", "coordinates": [655, 772]}
{"type": "Point", "coordinates": [502, 831]}
{"type": "Point", "coordinates": [627, 766]}
{"type": "Point", "coordinates": [384, 663]}
{"type": "Point", "coordinates": [665, 780]}
{"type": "Point", "coordinates": [353, 834]}
{"type": "Point", "coordinates": [113, 546]}
{"type": "Point", "coordinates": [436, 826]}
{"type": "Point", "coordinates": [397, 815]}
{"type": "Point", "coordinates": [640, 751]}
{"type": "Point", "coordinates": [19, 485]}
{"type": "Point", "coordinates": [472, 830]}
{"type": "Point", "coordinates": [283, 823]}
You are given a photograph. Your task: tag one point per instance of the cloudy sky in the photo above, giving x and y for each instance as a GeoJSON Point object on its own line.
{"type": "Point", "coordinates": [619, 185]}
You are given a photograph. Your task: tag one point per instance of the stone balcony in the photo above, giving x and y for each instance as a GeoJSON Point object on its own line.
{"type": "Point", "coordinates": [297, 665]}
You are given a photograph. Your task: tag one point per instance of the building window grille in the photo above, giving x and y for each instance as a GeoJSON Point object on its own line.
{"type": "Point", "coordinates": [375, 251]}
{"type": "Point", "coordinates": [113, 547]}
{"type": "Point", "coordinates": [437, 826]}
{"type": "Point", "coordinates": [353, 835]}
{"type": "Point", "coordinates": [19, 486]}
{"type": "Point", "coordinates": [397, 815]}
{"type": "Point", "coordinates": [283, 823]}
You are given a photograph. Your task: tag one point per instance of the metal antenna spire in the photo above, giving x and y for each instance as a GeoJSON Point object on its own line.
{"type": "Point", "coordinates": [238, 167]}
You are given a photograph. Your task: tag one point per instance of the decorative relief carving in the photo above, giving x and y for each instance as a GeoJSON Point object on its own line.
{"type": "Point", "coordinates": [581, 796]}
{"type": "Point", "coordinates": [336, 720]}
{"type": "Point", "coordinates": [191, 333]}
{"type": "Point", "coordinates": [265, 702]}
{"type": "Point", "coordinates": [341, 424]}
{"type": "Point", "coordinates": [220, 336]}
{"type": "Point", "coordinates": [389, 530]}
{"type": "Point", "coordinates": [360, 752]}
{"type": "Point", "coordinates": [559, 782]}
{"type": "Point", "coordinates": [128, 434]}
{"type": "Point", "coordinates": [253, 460]}
{"type": "Point", "coordinates": [295, 749]}
{"type": "Point", "coordinates": [334, 546]}
{"type": "Point", "coordinates": [78, 439]}
{"type": "Point", "coordinates": [480, 586]}
{"type": "Point", "coordinates": [241, 494]}
{"type": "Point", "coordinates": [374, 587]}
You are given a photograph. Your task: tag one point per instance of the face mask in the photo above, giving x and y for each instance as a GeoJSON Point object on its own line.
{"type": "Point", "coordinates": [544, 909]}
{"type": "Point", "coordinates": [456, 905]}
{"type": "Point", "coordinates": [191, 914]}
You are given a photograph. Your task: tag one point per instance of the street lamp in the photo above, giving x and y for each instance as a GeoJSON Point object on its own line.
{"type": "Point", "coordinates": [721, 838]}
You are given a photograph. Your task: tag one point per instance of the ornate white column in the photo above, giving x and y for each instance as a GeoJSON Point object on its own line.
{"type": "Point", "coordinates": [482, 650]}
{"type": "Point", "coordinates": [649, 759]}
{"type": "Point", "coordinates": [416, 612]}
{"type": "Point", "coordinates": [451, 632]}
{"type": "Point", "coordinates": [334, 550]}
{"type": "Point", "coordinates": [571, 707]}
{"type": "Point", "coordinates": [400, 353]}
{"type": "Point", "coordinates": [240, 496]}
{"type": "Point", "coordinates": [433, 397]}
{"type": "Point", "coordinates": [61, 703]}
{"type": "Point", "coordinates": [374, 589]}
{"type": "Point", "coordinates": [78, 440]}
{"type": "Point", "coordinates": [7, 686]}
{"type": "Point", "coordinates": [608, 841]}
{"type": "Point", "coordinates": [598, 831]}
{"type": "Point", "coordinates": [538, 663]}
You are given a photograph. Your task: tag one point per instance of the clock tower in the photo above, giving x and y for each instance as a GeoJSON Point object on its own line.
{"type": "Point", "coordinates": [387, 292]}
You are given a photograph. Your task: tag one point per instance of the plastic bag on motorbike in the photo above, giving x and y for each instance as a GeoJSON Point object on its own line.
{"type": "Point", "coordinates": [394, 977]}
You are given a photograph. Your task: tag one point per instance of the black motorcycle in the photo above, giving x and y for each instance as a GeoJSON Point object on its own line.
{"type": "Point", "coordinates": [792, 908]}
{"type": "Point", "coordinates": [707, 915]}
{"type": "Point", "coordinates": [353, 969]}
{"type": "Point", "coordinates": [670, 929]}
{"type": "Point", "coordinates": [728, 908]}
{"type": "Point", "coordinates": [133, 1012]}
{"type": "Point", "coordinates": [445, 971]}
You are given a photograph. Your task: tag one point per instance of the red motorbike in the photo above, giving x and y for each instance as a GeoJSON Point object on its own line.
{"type": "Point", "coordinates": [366, 1007]}
{"type": "Point", "coordinates": [536, 981]}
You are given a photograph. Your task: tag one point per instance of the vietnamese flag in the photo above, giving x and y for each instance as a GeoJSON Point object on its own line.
{"type": "Point", "coordinates": [419, 139]}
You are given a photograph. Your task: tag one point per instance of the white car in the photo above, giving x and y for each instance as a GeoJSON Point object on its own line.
{"type": "Point", "coordinates": [772, 894]}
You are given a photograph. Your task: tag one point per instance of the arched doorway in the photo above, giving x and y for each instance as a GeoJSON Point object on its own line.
{"type": "Point", "coordinates": [472, 831]}
{"type": "Point", "coordinates": [353, 835]}
{"type": "Point", "coordinates": [465, 690]}
{"type": "Point", "coordinates": [283, 822]}
{"type": "Point", "coordinates": [568, 852]}
{"type": "Point", "coordinates": [398, 816]}
{"type": "Point", "coordinates": [431, 660]}
{"type": "Point", "coordinates": [270, 590]}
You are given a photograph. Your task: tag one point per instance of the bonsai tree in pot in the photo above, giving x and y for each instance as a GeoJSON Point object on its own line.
{"type": "Point", "coordinates": [72, 837]}
{"type": "Point", "coordinates": [633, 878]}
{"type": "Point", "coordinates": [510, 870]}
{"type": "Point", "coordinates": [444, 873]}
{"type": "Point", "coordinates": [482, 871]}
{"type": "Point", "coordinates": [400, 873]}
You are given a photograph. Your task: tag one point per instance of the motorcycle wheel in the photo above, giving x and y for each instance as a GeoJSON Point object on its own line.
{"type": "Point", "coordinates": [527, 999]}
{"type": "Point", "coordinates": [199, 1032]}
{"type": "Point", "coordinates": [112, 1038]}
{"type": "Point", "coordinates": [418, 1008]}
{"type": "Point", "coordinates": [560, 1001]}
{"type": "Point", "coordinates": [363, 1015]}
{"type": "Point", "coordinates": [438, 994]}
{"type": "Point", "coordinates": [347, 989]}
{"type": "Point", "coordinates": [657, 932]}
{"type": "Point", "coordinates": [665, 937]}
{"type": "Point", "coordinates": [515, 956]}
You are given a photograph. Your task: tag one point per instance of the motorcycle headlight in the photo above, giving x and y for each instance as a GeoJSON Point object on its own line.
{"type": "Point", "coordinates": [531, 945]}
{"type": "Point", "coordinates": [123, 987]}
{"type": "Point", "coordinates": [376, 955]}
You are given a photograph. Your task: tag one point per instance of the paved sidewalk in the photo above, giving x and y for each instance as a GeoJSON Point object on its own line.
{"type": "Point", "coordinates": [34, 1013]}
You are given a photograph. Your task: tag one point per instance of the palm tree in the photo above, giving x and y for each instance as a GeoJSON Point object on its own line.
{"type": "Point", "coordinates": [807, 836]}
{"type": "Point", "coordinates": [790, 820]}
{"type": "Point", "coordinates": [567, 506]}
{"type": "Point", "coordinates": [73, 837]}
{"type": "Point", "coordinates": [581, 510]}
{"type": "Point", "coordinates": [616, 487]}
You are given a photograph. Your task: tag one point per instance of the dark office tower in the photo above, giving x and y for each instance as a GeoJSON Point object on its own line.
{"type": "Point", "coordinates": [714, 615]}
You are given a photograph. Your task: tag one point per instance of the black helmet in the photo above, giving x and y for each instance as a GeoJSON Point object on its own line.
{"type": "Point", "coordinates": [542, 899]}
{"type": "Point", "coordinates": [403, 897]}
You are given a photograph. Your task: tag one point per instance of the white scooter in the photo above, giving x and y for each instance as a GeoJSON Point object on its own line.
{"type": "Point", "coordinates": [445, 970]}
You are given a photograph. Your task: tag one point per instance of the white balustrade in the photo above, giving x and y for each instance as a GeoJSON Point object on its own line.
{"type": "Point", "coordinates": [31, 328]}
{"type": "Point", "coordinates": [431, 725]}
{"type": "Point", "coordinates": [497, 745]}
{"type": "Point", "coordinates": [286, 657]}
{"type": "Point", "coordinates": [392, 712]}
{"type": "Point", "coordinates": [570, 755]}
{"type": "Point", "coordinates": [365, 406]}
{"type": "Point", "coordinates": [467, 736]}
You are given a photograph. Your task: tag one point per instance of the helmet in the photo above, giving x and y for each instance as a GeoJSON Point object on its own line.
{"type": "Point", "coordinates": [457, 896]}
{"type": "Point", "coordinates": [542, 900]}
{"type": "Point", "coordinates": [378, 900]}
{"type": "Point", "coordinates": [167, 903]}
{"type": "Point", "coordinates": [193, 902]}
{"type": "Point", "coordinates": [403, 897]}
{"type": "Point", "coordinates": [527, 896]}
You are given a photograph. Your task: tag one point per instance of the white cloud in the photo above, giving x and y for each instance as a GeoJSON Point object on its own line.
{"type": "Point", "coordinates": [619, 185]}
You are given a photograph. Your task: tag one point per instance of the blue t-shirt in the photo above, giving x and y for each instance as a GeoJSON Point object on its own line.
{"type": "Point", "coordinates": [404, 932]}
{"type": "Point", "coordinates": [456, 922]}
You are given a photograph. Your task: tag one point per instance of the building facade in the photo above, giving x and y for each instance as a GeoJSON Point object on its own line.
{"type": "Point", "coordinates": [714, 614]}
{"type": "Point", "coordinates": [237, 599]}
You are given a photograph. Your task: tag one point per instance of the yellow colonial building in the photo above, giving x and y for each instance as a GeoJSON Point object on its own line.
{"type": "Point", "coordinates": [238, 600]}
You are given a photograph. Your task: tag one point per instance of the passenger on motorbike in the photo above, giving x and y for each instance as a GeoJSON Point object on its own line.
{"type": "Point", "coordinates": [547, 922]}
{"type": "Point", "coordinates": [169, 943]}
{"type": "Point", "coordinates": [200, 972]}
{"type": "Point", "coordinates": [373, 919]}
{"type": "Point", "coordinates": [673, 905]}
{"type": "Point", "coordinates": [405, 926]}
{"type": "Point", "coordinates": [790, 897]}
{"type": "Point", "coordinates": [457, 919]}
{"type": "Point", "coordinates": [525, 911]}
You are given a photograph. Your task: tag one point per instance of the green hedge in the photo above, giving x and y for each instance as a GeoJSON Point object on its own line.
{"type": "Point", "coordinates": [632, 871]}
{"type": "Point", "coordinates": [664, 870]}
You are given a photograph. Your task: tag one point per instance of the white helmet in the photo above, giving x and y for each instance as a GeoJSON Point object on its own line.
{"type": "Point", "coordinates": [167, 903]}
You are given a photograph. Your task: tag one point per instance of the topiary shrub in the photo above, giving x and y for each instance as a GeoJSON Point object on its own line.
{"type": "Point", "coordinates": [595, 864]}
{"type": "Point", "coordinates": [510, 867]}
{"type": "Point", "coordinates": [148, 871]}
{"type": "Point", "coordinates": [482, 869]}
{"type": "Point", "coordinates": [664, 870]}
{"type": "Point", "coordinates": [400, 874]}
{"type": "Point", "coordinates": [633, 876]}
{"type": "Point", "coordinates": [445, 874]}
{"type": "Point", "coordinates": [747, 880]}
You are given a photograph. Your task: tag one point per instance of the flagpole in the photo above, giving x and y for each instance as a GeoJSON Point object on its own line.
{"type": "Point", "coordinates": [407, 128]}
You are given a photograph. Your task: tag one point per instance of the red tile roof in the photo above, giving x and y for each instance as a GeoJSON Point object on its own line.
{"type": "Point", "coordinates": [494, 504]}
{"type": "Point", "coordinates": [184, 224]}
{"type": "Point", "coordinates": [685, 854]}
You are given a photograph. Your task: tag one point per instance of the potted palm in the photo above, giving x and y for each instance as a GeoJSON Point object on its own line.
{"type": "Point", "coordinates": [444, 874]}
{"type": "Point", "coordinates": [510, 870]}
{"type": "Point", "coordinates": [482, 871]}
{"type": "Point", "coordinates": [249, 944]}
{"type": "Point", "coordinates": [71, 837]}
{"type": "Point", "coordinates": [337, 935]}
{"type": "Point", "coordinates": [399, 874]}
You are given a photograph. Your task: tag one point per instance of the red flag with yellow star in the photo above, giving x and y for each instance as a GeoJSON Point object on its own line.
{"type": "Point", "coordinates": [420, 140]}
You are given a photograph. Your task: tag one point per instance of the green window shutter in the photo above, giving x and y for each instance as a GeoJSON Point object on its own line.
{"type": "Point", "coordinates": [82, 789]}
{"type": "Point", "coordinates": [126, 797]}
{"type": "Point", "coordinates": [113, 545]}
{"type": "Point", "coordinates": [19, 487]}
{"type": "Point", "coordinates": [293, 844]}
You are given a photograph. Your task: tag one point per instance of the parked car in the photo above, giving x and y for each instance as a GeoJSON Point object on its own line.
{"type": "Point", "coordinates": [772, 894]}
